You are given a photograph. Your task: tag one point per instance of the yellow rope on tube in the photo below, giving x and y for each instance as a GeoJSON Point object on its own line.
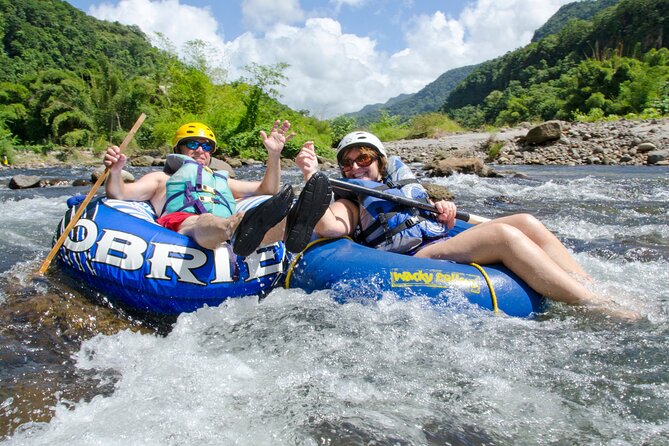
{"type": "Point", "coordinates": [292, 265]}
{"type": "Point", "coordinates": [493, 296]}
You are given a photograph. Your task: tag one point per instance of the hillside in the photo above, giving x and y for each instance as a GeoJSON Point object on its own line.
{"type": "Point", "coordinates": [69, 79]}
{"type": "Point", "coordinates": [582, 10]}
{"type": "Point", "coordinates": [38, 35]}
{"type": "Point", "coordinates": [610, 63]}
{"type": "Point", "coordinates": [426, 100]}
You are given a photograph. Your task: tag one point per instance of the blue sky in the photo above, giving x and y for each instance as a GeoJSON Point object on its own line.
{"type": "Point", "coordinates": [343, 54]}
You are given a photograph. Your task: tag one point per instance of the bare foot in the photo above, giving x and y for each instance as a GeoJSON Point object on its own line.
{"type": "Point", "coordinates": [210, 231]}
{"type": "Point", "coordinates": [615, 311]}
{"type": "Point", "coordinates": [228, 225]}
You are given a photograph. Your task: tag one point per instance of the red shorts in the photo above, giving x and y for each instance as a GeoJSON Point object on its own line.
{"type": "Point", "coordinates": [173, 221]}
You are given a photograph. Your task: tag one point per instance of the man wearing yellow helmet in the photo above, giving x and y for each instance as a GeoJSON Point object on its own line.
{"type": "Point", "coordinates": [195, 201]}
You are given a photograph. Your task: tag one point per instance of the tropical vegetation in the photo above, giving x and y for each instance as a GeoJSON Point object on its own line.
{"type": "Point", "coordinates": [70, 80]}
{"type": "Point", "coordinates": [615, 65]}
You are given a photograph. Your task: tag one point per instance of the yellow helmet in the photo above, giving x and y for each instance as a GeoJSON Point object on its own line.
{"type": "Point", "coordinates": [193, 129]}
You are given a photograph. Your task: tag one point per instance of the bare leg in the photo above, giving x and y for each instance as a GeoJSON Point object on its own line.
{"type": "Point", "coordinates": [340, 219]}
{"type": "Point", "coordinates": [208, 230]}
{"type": "Point", "coordinates": [496, 242]}
{"type": "Point", "coordinates": [545, 239]}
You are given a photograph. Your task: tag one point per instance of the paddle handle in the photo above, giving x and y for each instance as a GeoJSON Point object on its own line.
{"type": "Point", "coordinates": [464, 216]}
{"type": "Point", "coordinates": [82, 206]}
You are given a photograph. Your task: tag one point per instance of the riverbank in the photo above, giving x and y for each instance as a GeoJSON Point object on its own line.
{"type": "Point", "coordinates": [622, 142]}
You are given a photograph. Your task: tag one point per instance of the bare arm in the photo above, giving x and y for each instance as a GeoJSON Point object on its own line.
{"type": "Point", "coordinates": [271, 181]}
{"type": "Point", "coordinates": [142, 190]}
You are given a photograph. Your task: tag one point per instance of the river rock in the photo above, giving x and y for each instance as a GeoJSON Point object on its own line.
{"type": "Point", "coordinates": [24, 181]}
{"type": "Point", "coordinates": [125, 175]}
{"type": "Point", "coordinates": [218, 164]}
{"type": "Point", "coordinates": [657, 156]}
{"type": "Point", "coordinates": [234, 162]}
{"type": "Point", "coordinates": [142, 161]}
{"type": "Point", "coordinates": [646, 147]}
{"type": "Point", "coordinates": [548, 131]}
{"type": "Point", "coordinates": [446, 167]}
{"type": "Point", "coordinates": [437, 192]}
{"type": "Point", "coordinates": [30, 181]}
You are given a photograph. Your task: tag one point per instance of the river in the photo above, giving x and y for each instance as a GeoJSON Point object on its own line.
{"type": "Point", "coordinates": [299, 369]}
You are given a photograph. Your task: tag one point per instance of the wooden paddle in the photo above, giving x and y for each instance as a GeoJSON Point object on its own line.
{"type": "Point", "coordinates": [83, 204]}
{"type": "Point", "coordinates": [464, 216]}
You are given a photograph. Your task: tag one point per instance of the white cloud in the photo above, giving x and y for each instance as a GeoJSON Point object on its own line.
{"type": "Point", "coordinates": [497, 26]}
{"type": "Point", "coordinates": [435, 45]}
{"type": "Point", "coordinates": [331, 72]}
{"type": "Point", "coordinates": [351, 3]}
{"type": "Point", "coordinates": [159, 16]}
{"type": "Point", "coordinates": [260, 15]}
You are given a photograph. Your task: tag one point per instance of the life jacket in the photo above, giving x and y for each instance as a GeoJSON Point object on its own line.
{"type": "Point", "coordinates": [390, 226]}
{"type": "Point", "coordinates": [195, 188]}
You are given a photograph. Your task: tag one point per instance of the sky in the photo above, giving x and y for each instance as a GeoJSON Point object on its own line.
{"type": "Point", "coordinates": [342, 54]}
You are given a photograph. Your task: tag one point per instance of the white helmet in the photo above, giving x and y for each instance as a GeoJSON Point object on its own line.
{"type": "Point", "coordinates": [360, 139]}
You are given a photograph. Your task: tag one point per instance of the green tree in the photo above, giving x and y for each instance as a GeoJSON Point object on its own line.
{"type": "Point", "coordinates": [264, 81]}
{"type": "Point", "coordinates": [62, 107]}
{"type": "Point", "coordinates": [341, 126]}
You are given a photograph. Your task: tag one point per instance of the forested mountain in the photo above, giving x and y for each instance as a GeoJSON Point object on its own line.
{"type": "Point", "coordinates": [426, 100]}
{"type": "Point", "coordinates": [615, 64]}
{"type": "Point", "coordinates": [70, 79]}
{"type": "Point", "coordinates": [583, 10]}
{"type": "Point", "coordinates": [30, 43]}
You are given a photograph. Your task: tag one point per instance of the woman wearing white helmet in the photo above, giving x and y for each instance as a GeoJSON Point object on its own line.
{"type": "Point", "coordinates": [520, 242]}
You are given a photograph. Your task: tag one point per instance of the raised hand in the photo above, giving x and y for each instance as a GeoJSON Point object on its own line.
{"type": "Point", "coordinates": [307, 161]}
{"type": "Point", "coordinates": [277, 136]}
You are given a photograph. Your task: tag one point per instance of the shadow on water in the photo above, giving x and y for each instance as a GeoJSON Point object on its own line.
{"type": "Point", "coordinates": [43, 322]}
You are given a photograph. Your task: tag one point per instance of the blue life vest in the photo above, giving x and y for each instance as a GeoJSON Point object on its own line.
{"type": "Point", "coordinates": [195, 188]}
{"type": "Point", "coordinates": [391, 226]}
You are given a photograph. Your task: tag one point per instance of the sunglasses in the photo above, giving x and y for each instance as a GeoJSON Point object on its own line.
{"type": "Point", "coordinates": [193, 145]}
{"type": "Point", "coordinates": [362, 160]}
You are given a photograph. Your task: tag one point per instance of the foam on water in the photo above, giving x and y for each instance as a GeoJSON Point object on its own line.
{"type": "Point", "coordinates": [301, 369]}
{"type": "Point", "coordinates": [24, 219]}
{"type": "Point", "coordinates": [298, 369]}
{"type": "Point", "coordinates": [587, 188]}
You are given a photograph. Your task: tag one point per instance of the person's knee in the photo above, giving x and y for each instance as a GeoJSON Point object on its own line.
{"type": "Point", "coordinates": [507, 234]}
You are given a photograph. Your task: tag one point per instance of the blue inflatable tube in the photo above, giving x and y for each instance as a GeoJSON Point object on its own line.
{"type": "Point", "coordinates": [148, 268]}
{"type": "Point", "coordinates": [352, 271]}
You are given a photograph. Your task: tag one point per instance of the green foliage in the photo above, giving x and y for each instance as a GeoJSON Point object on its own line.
{"type": "Point", "coordinates": [7, 142]}
{"type": "Point", "coordinates": [553, 77]}
{"type": "Point", "coordinates": [494, 149]}
{"type": "Point", "coordinates": [341, 126]}
{"type": "Point", "coordinates": [431, 125]}
{"type": "Point", "coordinates": [264, 81]}
{"type": "Point", "coordinates": [583, 10]}
{"type": "Point", "coordinates": [593, 115]}
{"type": "Point", "coordinates": [249, 145]}
{"type": "Point", "coordinates": [68, 78]}
{"type": "Point", "coordinates": [388, 128]}
{"type": "Point", "coordinates": [469, 116]}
